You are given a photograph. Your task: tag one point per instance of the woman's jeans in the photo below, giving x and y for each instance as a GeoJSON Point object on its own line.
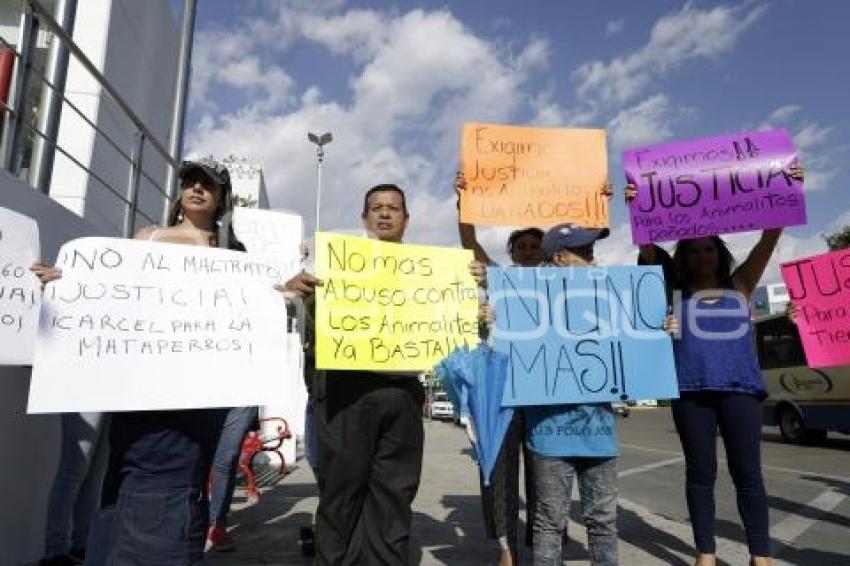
{"type": "Point", "coordinates": [597, 479]}
{"type": "Point", "coordinates": [154, 506]}
{"type": "Point", "coordinates": [738, 415]}
{"type": "Point", "coordinates": [223, 481]}
{"type": "Point", "coordinates": [150, 525]}
{"type": "Point", "coordinates": [75, 495]}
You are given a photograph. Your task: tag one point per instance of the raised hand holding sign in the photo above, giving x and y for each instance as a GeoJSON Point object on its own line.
{"type": "Point", "coordinates": [716, 185]}
{"type": "Point", "coordinates": [524, 176]}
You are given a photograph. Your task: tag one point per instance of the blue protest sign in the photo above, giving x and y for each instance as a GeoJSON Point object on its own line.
{"type": "Point", "coordinates": [582, 335]}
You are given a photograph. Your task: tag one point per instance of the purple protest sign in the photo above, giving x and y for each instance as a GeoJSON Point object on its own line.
{"type": "Point", "coordinates": [716, 185]}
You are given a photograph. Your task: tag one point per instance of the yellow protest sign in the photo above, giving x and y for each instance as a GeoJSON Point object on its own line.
{"type": "Point", "coordinates": [524, 176]}
{"type": "Point", "coordinates": [391, 307]}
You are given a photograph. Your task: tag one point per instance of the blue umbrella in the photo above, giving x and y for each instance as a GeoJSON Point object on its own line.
{"type": "Point", "coordinates": [485, 403]}
{"type": "Point", "coordinates": [450, 373]}
{"type": "Point", "coordinates": [478, 378]}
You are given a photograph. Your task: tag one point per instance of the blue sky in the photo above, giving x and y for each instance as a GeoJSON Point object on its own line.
{"type": "Point", "coordinates": [395, 81]}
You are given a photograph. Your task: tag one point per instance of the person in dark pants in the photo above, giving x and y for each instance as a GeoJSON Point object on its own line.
{"type": "Point", "coordinates": [738, 415]}
{"type": "Point", "coordinates": [719, 377]}
{"type": "Point", "coordinates": [154, 504]}
{"type": "Point", "coordinates": [500, 499]}
{"type": "Point", "coordinates": [370, 436]}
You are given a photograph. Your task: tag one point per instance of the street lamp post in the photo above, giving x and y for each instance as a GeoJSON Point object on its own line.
{"type": "Point", "coordinates": [321, 141]}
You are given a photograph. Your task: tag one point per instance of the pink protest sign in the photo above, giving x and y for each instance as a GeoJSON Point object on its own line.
{"type": "Point", "coordinates": [716, 185]}
{"type": "Point", "coordinates": [820, 287]}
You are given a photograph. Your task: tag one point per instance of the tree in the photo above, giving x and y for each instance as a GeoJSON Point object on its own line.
{"type": "Point", "coordinates": [245, 202]}
{"type": "Point", "coordinates": [839, 240]}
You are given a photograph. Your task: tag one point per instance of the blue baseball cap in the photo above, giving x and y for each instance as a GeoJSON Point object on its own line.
{"type": "Point", "coordinates": [570, 236]}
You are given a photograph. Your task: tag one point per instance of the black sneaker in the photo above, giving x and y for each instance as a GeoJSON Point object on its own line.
{"type": "Point", "coordinates": [307, 541]}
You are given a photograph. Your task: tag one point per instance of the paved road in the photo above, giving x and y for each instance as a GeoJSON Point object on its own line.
{"type": "Point", "coordinates": [808, 489]}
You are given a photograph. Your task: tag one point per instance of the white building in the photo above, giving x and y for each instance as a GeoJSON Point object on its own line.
{"type": "Point", "coordinates": [247, 179]}
{"type": "Point", "coordinates": [777, 297]}
{"type": "Point", "coordinates": [770, 299]}
{"type": "Point", "coordinates": [135, 45]}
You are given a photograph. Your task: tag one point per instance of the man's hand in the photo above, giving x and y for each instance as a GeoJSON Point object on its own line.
{"type": "Point", "coordinates": [460, 183]}
{"type": "Point", "coordinates": [671, 325]}
{"type": "Point", "coordinates": [792, 311]}
{"type": "Point", "coordinates": [45, 273]}
{"type": "Point", "coordinates": [302, 285]}
{"type": "Point", "coordinates": [797, 172]}
{"type": "Point", "coordinates": [478, 270]}
{"type": "Point", "coordinates": [486, 315]}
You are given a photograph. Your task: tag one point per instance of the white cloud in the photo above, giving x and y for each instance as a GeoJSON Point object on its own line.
{"type": "Point", "coordinates": [549, 114]}
{"type": "Point", "coordinates": [811, 136]}
{"type": "Point", "coordinates": [814, 142]}
{"type": "Point", "coordinates": [357, 32]}
{"type": "Point", "coordinates": [547, 111]}
{"type": "Point", "coordinates": [781, 115]}
{"type": "Point", "coordinates": [223, 59]}
{"type": "Point", "coordinates": [535, 56]}
{"type": "Point", "coordinates": [614, 27]}
{"type": "Point", "coordinates": [617, 248]}
{"type": "Point", "coordinates": [415, 77]}
{"type": "Point", "coordinates": [649, 121]}
{"type": "Point", "coordinates": [677, 38]}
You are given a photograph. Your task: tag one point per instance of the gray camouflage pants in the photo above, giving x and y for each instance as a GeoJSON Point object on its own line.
{"type": "Point", "coordinates": [597, 483]}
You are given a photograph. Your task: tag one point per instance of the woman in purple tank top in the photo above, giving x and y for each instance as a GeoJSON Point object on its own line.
{"type": "Point", "coordinates": [720, 382]}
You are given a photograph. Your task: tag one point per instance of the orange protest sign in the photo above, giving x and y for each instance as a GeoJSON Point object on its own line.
{"type": "Point", "coordinates": [524, 176]}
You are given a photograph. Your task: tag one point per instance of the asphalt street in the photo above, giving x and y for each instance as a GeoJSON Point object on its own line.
{"type": "Point", "coordinates": [808, 489]}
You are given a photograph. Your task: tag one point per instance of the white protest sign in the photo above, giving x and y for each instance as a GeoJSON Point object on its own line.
{"type": "Point", "coordinates": [20, 295]}
{"type": "Point", "coordinates": [137, 325]}
{"type": "Point", "coordinates": [271, 233]}
{"type": "Point", "coordinates": [294, 407]}
{"type": "Point", "coordinates": [277, 236]}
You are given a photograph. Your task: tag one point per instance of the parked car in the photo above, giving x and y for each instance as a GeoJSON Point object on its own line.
{"type": "Point", "coordinates": [442, 408]}
{"type": "Point", "coordinates": [621, 409]}
{"type": "Point", "coordinates": [805, 403]}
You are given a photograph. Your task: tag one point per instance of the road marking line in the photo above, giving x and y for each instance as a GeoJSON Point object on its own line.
{"type": "Point", "coordinates": [818, 475]}
{"type": "Point", "coordinates": [791, 527]}
{"type": "Point", "coordinates": [648, 449]}
{"type": "Point", "coordinates": [649, 467]}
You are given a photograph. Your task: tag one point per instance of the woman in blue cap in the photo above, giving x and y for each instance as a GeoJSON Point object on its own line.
{"type": "Point", "coordinates": [586, 450]}
{"type": "Point", "coordinates": [591, 458]}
